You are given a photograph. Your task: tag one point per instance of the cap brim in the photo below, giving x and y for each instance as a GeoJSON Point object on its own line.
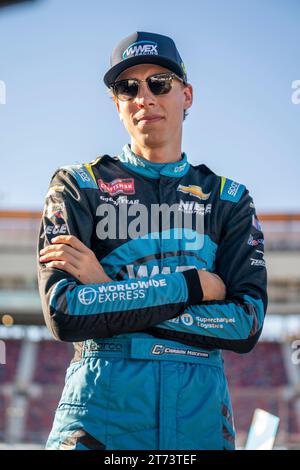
{"type": "Point", "coordinates": [115, 71]}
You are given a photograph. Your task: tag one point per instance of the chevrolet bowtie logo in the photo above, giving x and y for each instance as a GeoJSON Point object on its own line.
{"type": "Point", "coordinates": [194, 191]}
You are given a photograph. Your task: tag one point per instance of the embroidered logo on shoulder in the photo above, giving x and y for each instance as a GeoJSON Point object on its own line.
{"type": "Point", "coordinates": [194, 191]}
{"type": "Point", "coordinates": [231, 190]}
{"type": "Point", "coordinates": [255, 241]}
{"type": "Point", "coordinates": [83, 175]}
{"type": "Point", "coordinates": [53, 210]}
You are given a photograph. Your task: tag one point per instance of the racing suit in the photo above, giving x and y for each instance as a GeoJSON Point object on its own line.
{"type": "Point", "coordinates": [148, 370]}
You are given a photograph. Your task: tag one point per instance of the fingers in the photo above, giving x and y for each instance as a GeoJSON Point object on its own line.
{"type": "Point", "coordinates": [68, 244]}
{"type": "Point", "coordinates": [65, 266]}
{"type": "Point", "coordinates": [61, 249]}
{"type": "Point", "coordinates": [72, 241]}
{"type": "Point", "coordinates": [68, 253]}
{"type": "Point", "coordinates": [60, 255]}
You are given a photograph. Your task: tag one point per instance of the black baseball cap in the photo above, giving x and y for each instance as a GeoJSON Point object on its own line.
{"type": "Point", "coordinates": [144, 48]}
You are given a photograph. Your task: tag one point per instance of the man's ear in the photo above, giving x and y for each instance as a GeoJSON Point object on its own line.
{"type": "Point", "coordinates": [117, 104]}
{"type": "Point", "coordinates": [188, 92]}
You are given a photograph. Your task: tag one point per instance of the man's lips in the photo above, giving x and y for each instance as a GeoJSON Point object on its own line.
{"type": "Point", "coordinates": [149, 119]}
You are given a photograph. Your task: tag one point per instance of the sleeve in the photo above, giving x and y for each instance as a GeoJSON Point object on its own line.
{"type": "Point", "coordinates": [76, 312]}
{"type": "Point", "coordinates": [236, 323]}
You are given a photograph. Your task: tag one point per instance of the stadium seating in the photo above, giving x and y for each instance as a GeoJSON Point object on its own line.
{"type": "Point", "coordinates": [262, 367]}
{"type": "Point", "coordinates": [52, 360]}
{"type": "Point", "coordinates": [244, 406]}
{"type": "Point", "coordinates": [3, 406]}
{"type": "Point", "coordinates": [292, 422]}
{"type": "Point", "coordinates": [40, 414]}
{"type": "Point", "coordinates": [8, 370]}
{"type": "Point", "coordinates": [254, 380]}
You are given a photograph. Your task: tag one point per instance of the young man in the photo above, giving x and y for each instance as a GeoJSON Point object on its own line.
{"type": "Point", "coordinates": [136, 251]}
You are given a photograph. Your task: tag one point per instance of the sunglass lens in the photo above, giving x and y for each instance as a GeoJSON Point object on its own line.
{"type": "Point", "coordinates": [126, 89]}
{"type": "Point", "coordinates": [159, 85]}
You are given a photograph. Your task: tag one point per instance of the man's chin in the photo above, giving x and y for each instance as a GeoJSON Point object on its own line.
{"type": "Point", "coordinates": [150, 139]}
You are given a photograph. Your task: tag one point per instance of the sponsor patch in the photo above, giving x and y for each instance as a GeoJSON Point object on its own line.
{"type": "Point", "coordinates": [255, 241]}
{"type": "Point", "coordinates": [55, 230]}
{"type": "Point", "coordinates": [105, 347]}
{"type": "Point", "coordinates": [180, 168]}
{"type": "Point", "coordinates": [113, 292]}
{"type": "Point", "coordinates": [193, 207]}
{"type": "Point", "coordinates": [187, 319]}
{"type": "Point", "coordinates": [83, 175]}
{"type": "Point", "coordinates": [54, 210]}
{"type": "Point", "coordinates": [117, 186]}
{"type": "Point", "coordinates": [194, 191]}
{"type": "Point", "coordinates": [159, 349]}
{"type": "Point", "coordinates": [119, 200]}
{"type": "Point", "coordinates": [231, 190]}
{"type": "Point", "coordinates": [257, 262]}
{"type": "Point", "coordinates": [87, 295]}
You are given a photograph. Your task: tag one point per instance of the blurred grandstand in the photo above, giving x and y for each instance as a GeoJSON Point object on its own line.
{"type": "Point", "coordinates": [32, 378]}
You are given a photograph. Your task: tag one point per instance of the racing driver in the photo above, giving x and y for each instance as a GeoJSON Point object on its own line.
{"type": "Point", "coordinates": [151, 266]}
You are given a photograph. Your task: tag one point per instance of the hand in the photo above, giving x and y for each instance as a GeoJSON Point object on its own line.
{"type": "Point", "coordinates": [212, 285]}
{"type": "Point", "coordinates": [68, 253]}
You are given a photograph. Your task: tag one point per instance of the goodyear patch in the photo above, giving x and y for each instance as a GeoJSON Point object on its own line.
{"type": "Point", "coordinates": [83, 174]}
{"type": "Point", "coordinates": [230, 190]}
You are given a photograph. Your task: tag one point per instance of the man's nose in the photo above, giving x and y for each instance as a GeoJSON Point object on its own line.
{"type": "Point", "coordinates": [144, 94]}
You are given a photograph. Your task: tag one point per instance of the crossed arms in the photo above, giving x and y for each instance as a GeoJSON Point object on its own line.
{"type": "Point", "coordinates": [219, 317]}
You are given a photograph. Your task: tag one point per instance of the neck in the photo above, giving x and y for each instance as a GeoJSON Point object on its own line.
{"type": "Point", "coordinates": [166, 153]}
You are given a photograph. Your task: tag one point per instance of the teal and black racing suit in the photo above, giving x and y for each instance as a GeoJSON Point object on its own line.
{"type": "Point", "coordinates": [148, 370]}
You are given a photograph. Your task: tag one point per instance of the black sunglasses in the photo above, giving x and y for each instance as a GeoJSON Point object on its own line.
{"type": "Point", "coordinates": [158, 84]}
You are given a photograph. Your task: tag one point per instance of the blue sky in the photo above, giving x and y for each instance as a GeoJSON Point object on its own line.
{"type": "Point", "coordinates": [241, 57]}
